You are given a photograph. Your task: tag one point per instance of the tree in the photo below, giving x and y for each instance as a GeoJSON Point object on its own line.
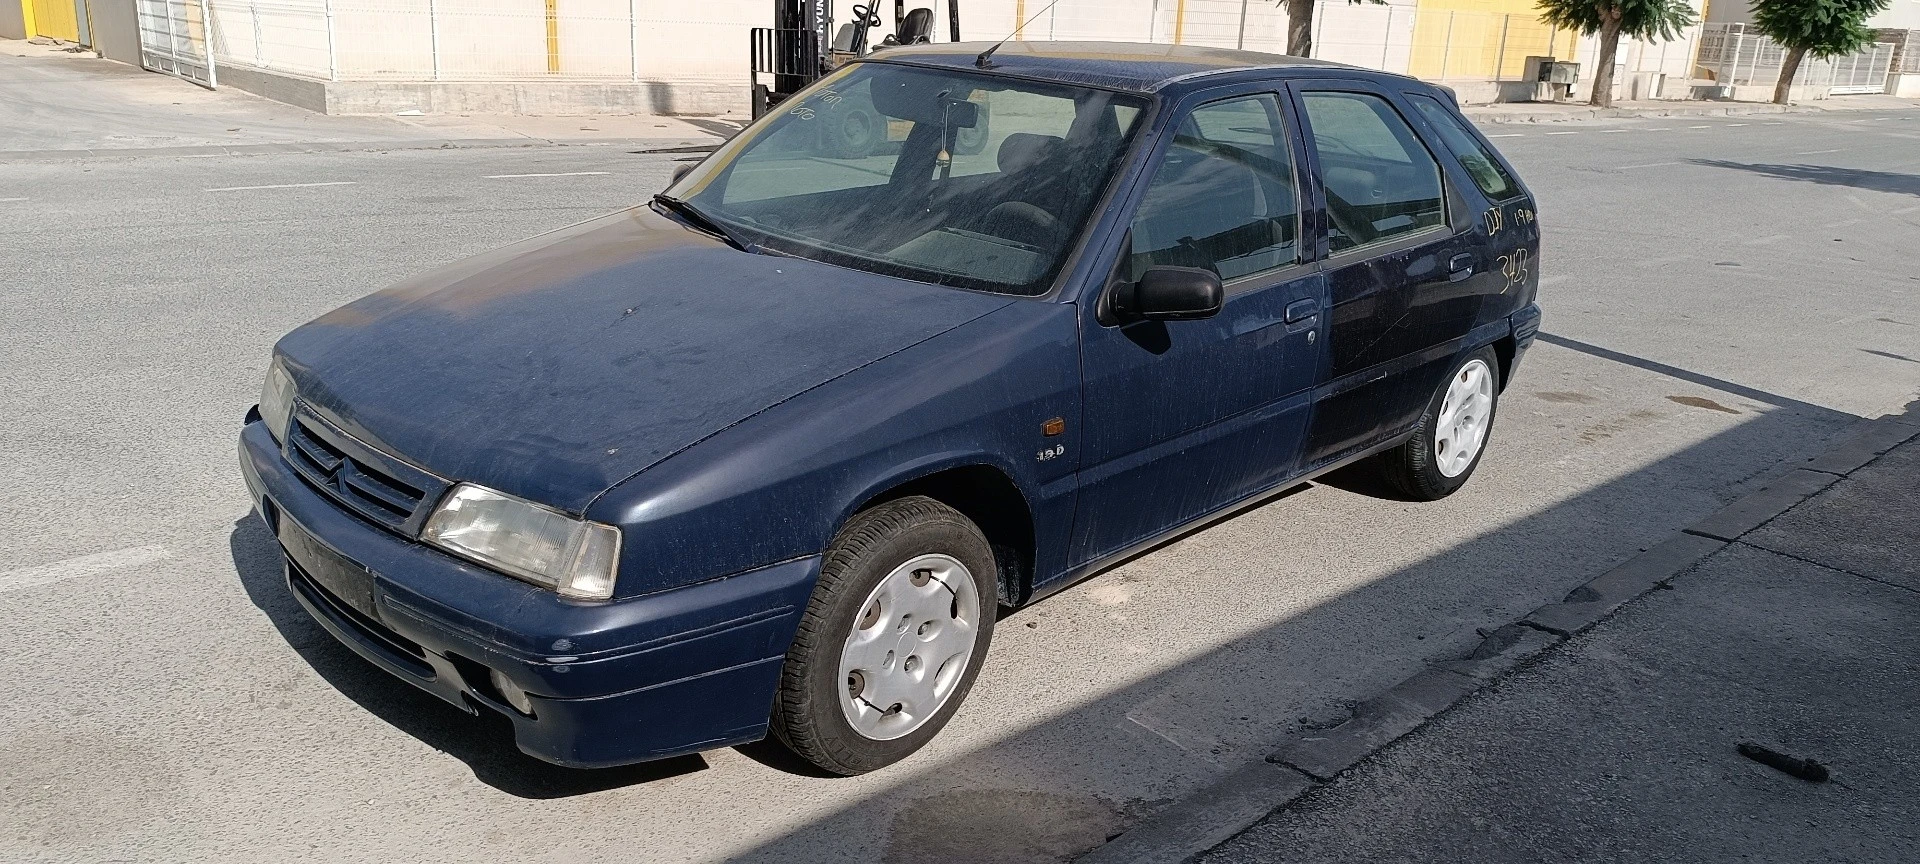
{"type": "Point", "coordinates": [1640, 19]}
{"type": "Point", "coordinates": [1823, 28]}
{"type": "Point", "coordinates": [1300, 24]}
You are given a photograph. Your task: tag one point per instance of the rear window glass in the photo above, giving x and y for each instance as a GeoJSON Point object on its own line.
{"type": "Point", "coordinates": [1485, 170]}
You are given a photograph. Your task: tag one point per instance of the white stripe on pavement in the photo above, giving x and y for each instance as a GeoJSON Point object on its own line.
{"type": "Point", "coordinates": [1648, 165]}
{"type": "Point", "coordinates": [1509, 135]}
{"type": "Point", "coordinates": [1563, 133]}
{"type": "Point", "coordinates": [561, 174]}
{"type": "Point", "coordinates": [1815, 152]}
{"type": "Point", "coordinates": [1735, 125]}
{"type": "Point", "coordinates": [1699, 127]}
{"type": "Point", "coordinates": [85, 565]}
{"type": "Point", "coordinates": [10, 200]}
{"type": "Point", "coordinates": [282, 186]}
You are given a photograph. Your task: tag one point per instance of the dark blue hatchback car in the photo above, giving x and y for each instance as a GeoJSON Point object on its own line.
{"type": "Point", "coordinates": [945, 334]}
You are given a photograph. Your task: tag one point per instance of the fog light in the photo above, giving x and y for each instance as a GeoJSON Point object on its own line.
{"type": "Point", "coordinates": [511, 692]}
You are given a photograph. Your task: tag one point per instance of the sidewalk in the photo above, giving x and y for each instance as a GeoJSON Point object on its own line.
{"type": "Point", "coordinates": [55, 104]}
{"type": "Point", "coordinates": [1556, 112]}
{"type": "Point", "coordinates": [1801, 635]}
{"type": "Point", "coordinates": [1605, 726]}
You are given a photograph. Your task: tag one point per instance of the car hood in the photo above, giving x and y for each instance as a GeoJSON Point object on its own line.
{"type": "Point", "coordinates": [554, 368]}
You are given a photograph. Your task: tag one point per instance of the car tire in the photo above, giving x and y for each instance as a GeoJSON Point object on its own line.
{"type": "Point", "coordinates": [906, 589]}
{"type": "Point", "coordinates": [1452, 434]}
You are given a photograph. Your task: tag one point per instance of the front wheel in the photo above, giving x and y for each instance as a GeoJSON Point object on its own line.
{"type": "Point", "coordinates": [1452, 433]}
{"type": "Point", "coordinates": [892, 638]}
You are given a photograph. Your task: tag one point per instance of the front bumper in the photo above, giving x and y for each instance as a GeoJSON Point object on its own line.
{"type": "Point", "coordinates": [674, 672]}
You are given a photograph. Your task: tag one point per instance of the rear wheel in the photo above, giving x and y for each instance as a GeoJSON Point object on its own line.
{"type": "Point", "coordinates": [1451, 436]}
{"type": "Point", "coordinates": [892, 638]}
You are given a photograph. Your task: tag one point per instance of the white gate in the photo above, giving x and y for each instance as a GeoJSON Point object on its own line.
{"type": "Point", "coordinates": [1862, 72]}
{"type": "Point", "coordinates": [175, 39]}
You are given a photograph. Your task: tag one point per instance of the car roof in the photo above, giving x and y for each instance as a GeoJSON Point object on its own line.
{"type": "Point", "coordinates": [1137, 66]}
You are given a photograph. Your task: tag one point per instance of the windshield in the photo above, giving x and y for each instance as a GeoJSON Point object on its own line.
{"type": "Point", "coordinates": [973, 181]}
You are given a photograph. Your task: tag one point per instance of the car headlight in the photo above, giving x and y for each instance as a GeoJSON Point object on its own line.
{"type": "Point", "coordinates": [276, 400]}
{"type": "Point", "coordinates": [533, 542]}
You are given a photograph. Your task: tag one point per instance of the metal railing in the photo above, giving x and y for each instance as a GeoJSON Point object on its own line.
{"type": "Point", "coordinates": [1733, 55]}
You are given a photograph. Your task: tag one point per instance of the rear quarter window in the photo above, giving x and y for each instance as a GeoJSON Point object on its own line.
{"type": "Point", "coordinates": [1479, 162]}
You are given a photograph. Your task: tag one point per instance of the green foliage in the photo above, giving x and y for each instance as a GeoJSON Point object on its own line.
{"type": "Point", "coordinates": [1639, 19]}
{"type": "Point", "coordinates": [1823, 28]}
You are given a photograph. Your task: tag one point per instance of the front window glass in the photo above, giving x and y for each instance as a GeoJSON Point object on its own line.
{"type": "Point", "coordinates": [1381, 182]}
{"type": "Point", "coordinates": [1223, 197]}
{"type": "Point", "coordinates": [974, 181]}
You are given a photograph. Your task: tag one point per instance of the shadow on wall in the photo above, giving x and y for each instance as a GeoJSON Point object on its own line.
{"type": "Point", "coordinates": [1856, 178]}
{"type": "Point", "coordinates": [1042, 792]}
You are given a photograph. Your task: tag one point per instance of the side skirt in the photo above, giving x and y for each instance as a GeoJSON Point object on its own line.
{"type": "Point", "coordinates": [1075, 575]}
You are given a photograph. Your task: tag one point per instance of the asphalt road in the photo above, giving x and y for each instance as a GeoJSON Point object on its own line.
{"type": "Point", "coordinates": [1721, 298]}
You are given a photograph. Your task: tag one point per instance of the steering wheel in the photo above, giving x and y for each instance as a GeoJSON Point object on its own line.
{"type": "Point", "coordinates": [865, 15]}
{"type": "Point", "coordinates": [1022, 223]}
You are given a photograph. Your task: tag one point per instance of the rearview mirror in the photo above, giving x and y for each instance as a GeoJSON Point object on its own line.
{"type": "Point", "coordinates": [680, 172]}
{"type": "Point", "coordinates": [1171, 294]}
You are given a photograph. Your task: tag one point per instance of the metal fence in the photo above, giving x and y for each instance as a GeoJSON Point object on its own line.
{"type": "Point", "coordinates": [1906, 49]}
{"type": "Point", "coordinates": [684, 41]}
{"type": "Point", "coordinates": [1732, 55]}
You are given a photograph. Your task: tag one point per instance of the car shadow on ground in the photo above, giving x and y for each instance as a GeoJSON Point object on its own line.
{"type": "Point", "coordinates": [483, 741]}
{"type": "Point", "coordinates": [1045, 791]}
{"type": "Point", "coordinates": [1856, 178]}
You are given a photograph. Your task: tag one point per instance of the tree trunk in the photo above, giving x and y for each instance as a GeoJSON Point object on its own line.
{"type": "Point", "coordinates": [1609, 45]}
{"type": "Point", "coordinates": [1300, 28]}
{"type": "Point", "coordinates": [1788, 68]}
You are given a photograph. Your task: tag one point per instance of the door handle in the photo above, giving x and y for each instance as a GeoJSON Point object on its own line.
{"type": "Point", "coordinates": [1301, 310]}
{"type": "Point", "coordinates": [1459, 267]}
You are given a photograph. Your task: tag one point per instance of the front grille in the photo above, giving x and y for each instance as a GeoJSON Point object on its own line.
{"type": "Point", "coordinates": [360, 484]}
{"type": "Point", "coordinates": [406, 651]}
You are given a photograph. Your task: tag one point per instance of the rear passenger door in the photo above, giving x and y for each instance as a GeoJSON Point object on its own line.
{"type": "Point", "coordinates": [1399, 267]}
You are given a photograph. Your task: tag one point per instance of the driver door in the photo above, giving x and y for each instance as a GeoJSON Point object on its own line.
{"type": "Point", "coordinates": [1183, 418]}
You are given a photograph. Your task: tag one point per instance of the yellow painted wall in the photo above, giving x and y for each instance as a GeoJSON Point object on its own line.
{"type": "Point", "coordinates": [53, 18]}
{"type": "Point", "coordinates": [1481, 39]}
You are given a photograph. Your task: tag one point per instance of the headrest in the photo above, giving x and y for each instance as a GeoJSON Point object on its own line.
{"type": "Point", "coordinates": [1023, 150]}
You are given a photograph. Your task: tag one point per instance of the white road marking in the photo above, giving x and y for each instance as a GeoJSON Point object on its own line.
{"type": "Point", "coordinates": [282, 186]}
{"type": "Point", "coordinates": [561, 174]}
{"type": "Point", "coordinates": [1843, 223]}
{"type": "Point", "coordinates": [1655, 129]}
{"type": "Point", "coordinates": [1509, 135]}
{"type": "Point", "coordinates": [1699, 127]}
{"type": "Point", "coordinates": [1767, 240]}
{"type": "Point", "coordinates": [1907, 209]}
{"type": "Point", "coordinates": [1815, 152]}
{"type": "Point", "coordinates": [1648, 165]}
{"type": "Point", "coordinates": [10, 200]}
{"type": "Point", "coordinates": [1563, 133]}
{"type": "Point", "coordinates": [1614, 130]}
{"type": "Point", "coordinates": [1735, 125]}
{"type": "Point", "coordinates": [1775, 123]}
{"type": "Point", "coordinates": [85, 565]}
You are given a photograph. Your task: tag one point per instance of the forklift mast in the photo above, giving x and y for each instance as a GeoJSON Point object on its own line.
{"type": "Point", "coordinates": [799, 48]}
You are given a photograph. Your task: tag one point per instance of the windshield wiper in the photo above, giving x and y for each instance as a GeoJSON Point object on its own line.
{"type": "Point", "coordinates": [703, 222]}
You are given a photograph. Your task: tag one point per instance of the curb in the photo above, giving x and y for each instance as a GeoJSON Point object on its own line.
{"type": "Point", "coordinates": [651, 145]}
{"type": "Point", "coordinates": [1198, 822]}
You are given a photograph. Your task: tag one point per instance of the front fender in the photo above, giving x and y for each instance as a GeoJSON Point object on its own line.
{"type": "Point", "coordinates": [778, 485]}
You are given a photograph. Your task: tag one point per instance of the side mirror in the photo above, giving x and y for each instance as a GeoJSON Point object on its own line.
{"type": "Point", "coordinates": [1171, 294]}
{"type": "Point", "coordinates": [680, 172]}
